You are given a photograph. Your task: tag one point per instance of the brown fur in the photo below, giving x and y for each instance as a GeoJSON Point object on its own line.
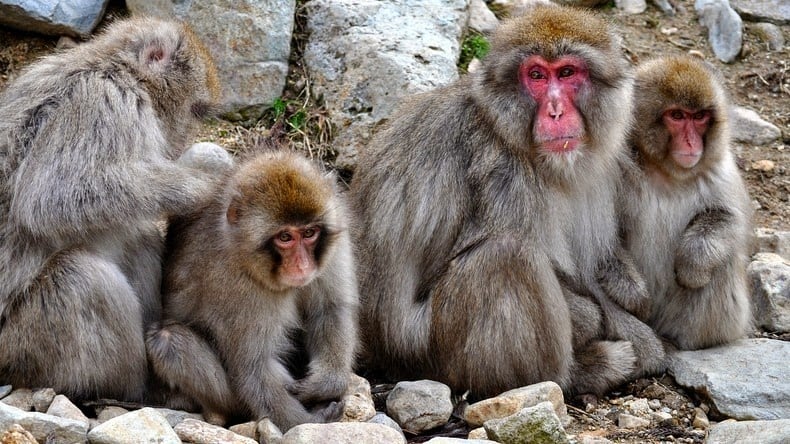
{"type": "Point", "coordinates": [226, 314]}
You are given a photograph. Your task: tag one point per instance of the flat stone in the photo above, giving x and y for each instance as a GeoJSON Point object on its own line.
{"type": "Point", "coordinates": [512, 401]}
{"type": "Point", "coordinates": [738, 432]}
{"type": "Point", "coordinates": [772, 11]}
{"type": "Point", "coordinates": [43, 427]}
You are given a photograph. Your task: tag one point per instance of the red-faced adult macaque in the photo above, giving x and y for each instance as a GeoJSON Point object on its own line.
{"type": "Point", "coordinates": [688, 213]}
{"type": "Point", "coordinates": [474, 197]}
{"type": "Point", "coordinates": [88, 142]}
{"type": "Point", "coordinates": [269, 255]}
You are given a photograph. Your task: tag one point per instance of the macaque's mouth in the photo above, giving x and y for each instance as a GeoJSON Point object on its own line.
{"type": "Point", "coordinates": [686, 160]}
{"type": "Point", "coordinates": [561, 144]}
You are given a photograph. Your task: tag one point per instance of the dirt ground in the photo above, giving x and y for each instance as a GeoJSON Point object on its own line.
{"type": "Point", "coordinates": [759, 80]}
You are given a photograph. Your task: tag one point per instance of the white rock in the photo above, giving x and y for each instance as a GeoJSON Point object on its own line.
{"type": "Point", "coordinates": [512, 401]}
{"type": "Point", "coordinates": [358, 402]}
{"type": "Point", "coordinates": [631, 6]}
{"type": "Point", "coordinates": [43, 427]}
{"type": "Point", "coordinates": [61, 406]}
{"type": "Point", "coordinates": [769, 275]}
{"type": "Point", "coordinates": [748, 127]}
{"type": "Point", "coordinates": [627, 421]}
{"type": "Point", "coordinates": [481, 19]}
{"type": "Point", "coordinates": [725, 28]}
{"type": "Point", "coordinates": [342, 433]}
{"type": "Point", "coordinates": [763, 432]}
{"type": "Point", "coordinates": [144, 425]}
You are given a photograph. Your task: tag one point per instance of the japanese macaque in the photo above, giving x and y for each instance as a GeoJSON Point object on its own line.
{"type": "Point", "coordinates": [270, 255]}
{"type": "Point", "coordinates": [476, 197]}
{"type": "Point", "coordinates": [688, 214]}
{"type": "Point", "coordinates": [88, 142]}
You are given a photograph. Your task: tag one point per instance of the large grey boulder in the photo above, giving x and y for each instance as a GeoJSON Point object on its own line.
{"type": "Point", "coordinates": [53, 17]}
{"type": "Point", "coordinates": [725, 28]}
{"type": "Point", "coordinates": [772, 11]}
{"type": "Point", "coordinates": [43, 427]}
{"type": "Point", "coordinates": [748, 379]}
{"type": "Point", "coordinates": [763, 432]}
{"type": "Point", "coordinates": [250, 41]}
{"type": "Point", "coordinates": [363, 56]}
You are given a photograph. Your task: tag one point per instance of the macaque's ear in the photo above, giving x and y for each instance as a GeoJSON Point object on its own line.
{"type": "Point", "coordinates": [155, 56]}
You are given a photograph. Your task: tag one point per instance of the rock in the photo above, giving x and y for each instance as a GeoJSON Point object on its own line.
{"type": "Point", "coordinates": [772, 11]}
{"type": "Point", "coordinates": [20, 398]}
{"type": "Point", "coordinates": [478, 433]}
{"type": "Point", "coordinates": [638, 406]}
{"type": "Point", "coordinates": [584, 439]}
{"type": "Point", "coordinates": [199, 432]}
{"type": "Point", "coordinates": [770, 34]}
{"type": "Point", "coordinates": [250, 41]}
{"type": "Point", "coordinates": [626, 421]}
{"type": "Point", "coordinates": [207, 156]}
{"type": "Point", "coordinates": [268, 433]}
{"type": "Point", "coordinates": [174, 417]}
{"type": "Point", "coordinates": [538, 424]}
{"type": "Point", "coordinates": [768, 240]}
{"type": "Point", "coordinates": [343, 433]}
{"type": "Point", "coordinates": [764, 165]}
{"type": "Point", "coordinates": [420, 405]}
{"type": "Point", "coordinates": [631, 6]}
{"type": "Point", "coordinates": [747, 126]}
{"type": "Point", "coordinates": [382, 418]}
{"type": "Point", "coordinates": [109, 412]}
{"type": "Point", "coordinates": [363, 56]}
{"type": "Point", "coordinates": [512, 401]}
{"type": "Point", "coordinates": [42, 398]}
{"type": "Point", "coordinates": [725, 28]}
{"type": "Point", "coordinates": [17, 435]}
{"type": "Point", "coordinates": [665, 6]}
{"type": "Point", "coordinates": [62, 407]}
{"type": "Point", "coordinates": [700, 419]}
{"type": "Point", "coordinates": [481, 19]}
{"type": "Point", "coordinates": [5, 390]}
{"type": "Point", "coordinates": [763, 432]}
{"type": "Point", "coordinates": [582, 3]}
{"type": "Point", "coordinates": [144, 425]}
{"type": "Point", "coordinates": [769, 275]}
{"type": "Point", "coordinates": [43, 427]}
{"type": "Point", "coordinates": [359, 404]}
{"type": "Point", "coordinates": [748, 379]}
{"type": "Point", "coordinates": [74, 17]}
{"type": "Point", "coordinates": [446, 440]}
{"type": "Point", "coordinates": [248, 429]}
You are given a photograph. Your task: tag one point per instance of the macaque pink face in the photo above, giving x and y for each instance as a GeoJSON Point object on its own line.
{"type": "Point", "coordinates": [686, 128]}
{"type": "Point", "coordinates": [296, 246]}
{"type": "Point", "coordinates": [558, 126]}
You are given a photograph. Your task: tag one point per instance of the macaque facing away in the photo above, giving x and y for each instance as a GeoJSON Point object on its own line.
{"type": "Point", "coordinates": [688, 212]}
{"type": "Point", "coordinates": [268, 257]}
{"type": "Point", "coordinates": [88, 142]}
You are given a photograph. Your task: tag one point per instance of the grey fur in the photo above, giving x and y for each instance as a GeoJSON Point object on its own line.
{"type": "Point", "coordinates": [463, 227]}
{"type": "Point", "coordinates": [87, 138]}
{"type": "Point", "coordinates": [688, 230]}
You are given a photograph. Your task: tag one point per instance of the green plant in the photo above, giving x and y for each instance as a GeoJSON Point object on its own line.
{"type": "Point", "coordinates": [474, 46]}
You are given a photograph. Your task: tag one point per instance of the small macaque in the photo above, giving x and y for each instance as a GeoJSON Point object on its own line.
{"type": "Point", "coordinates": [89, 141]}
{"type": "Point", "coordinates": [268, 257]}
{"type": "Point", "coordinates": [688, 213]}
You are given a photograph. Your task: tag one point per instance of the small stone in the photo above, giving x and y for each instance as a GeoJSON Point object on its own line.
{"type": "Point", "coordinates": [199, 432]}
{"type": "Point", "coordinates": [342, 433]}
{"type": "Point", "coordinates": [5, 390]}
{"type": "Point", "coordinates": [627, 421]}
{"type": "Point", "coordinates": [481, 19]}
{"type": "Point", "coordinates": [654, 404]}
{"type": "Point", "coordinates": [21, 399]}
{"type": "Point", "coordinates": [42, 398]}
{"type": "Point", "coordinates": [268, 433]}
{"type": "Point", "coordinates": [669, 31]}
{"type": "Point", "coordinates": [144, 425]}
{"type": "Point", "coordinates": [478, 433]}
{"type": "Point", "coordinates": [358, 402]}
{"type": "Point", "coordinates": [631, 6]}
{"type": "Point", "coordinates": [590, 439]}
{"type": "Point", "coordinates": [748, 127]}
{"type": "Point", "coordinates": [174, 417]}
{"type": "Point", "coordinates": [382, 418]}
{"type": "Point", "coordinates": [661, 417]}
{"type": "Point", "coordinates": [420, 405]}
{"type": "Point", "coordinates": [248, 429]}
{"type": "Point", "coordinates": [512, 401]}
{"type": "Point", "coordinates": [700, 419]}
{"type": "Point", "coordinates": [43, 427]}
{"type": "Point", "coordinates": [538, 424]}
{"type": "Point", "coordinates": [109, 412]}
{"type": "Point", "coordinates": [17, 435]}
{"type": "Point", "coordinates": [638, 406]}
{"type": "Point", "coordinates": [764, 165]}
{"type": "Point", "coordinates": [62, 407]}
{"type": "Point", "coordinates": [770, 34]}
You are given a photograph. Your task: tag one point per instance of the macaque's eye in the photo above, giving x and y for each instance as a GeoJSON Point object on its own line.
{"type": "Point", "coordinates": [677, 114]}
{"type": "Point", "coordinates": [566, 71]}
{"type": "Point", "coordinates": [285, 237]}
{"type": "Point", "coordinates": [700, 115]}
{"type": "Point", "coordinates": [309, 232]}
{"type": "Point", "coordinates": [535, 75]}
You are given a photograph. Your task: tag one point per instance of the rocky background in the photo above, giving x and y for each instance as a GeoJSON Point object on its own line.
{"type": "Point", "coordinates": [319, 75]}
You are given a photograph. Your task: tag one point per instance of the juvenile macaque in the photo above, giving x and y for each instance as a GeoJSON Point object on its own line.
{"type": "Point", "coordinates": [269, 255]}
{"type": "Point", "coordinates": [88, 139]}
{"type": "Point", "coordinates": [475, 197]}
{"type": "Point", "coordinates": [688, 214]}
